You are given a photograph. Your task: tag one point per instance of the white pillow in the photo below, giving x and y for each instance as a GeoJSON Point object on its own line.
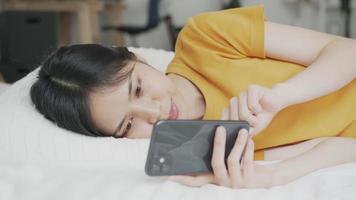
{"type": "Point", "coordinates": [26, 136]}
{"type": "Point", "coordinates": [3, 87]}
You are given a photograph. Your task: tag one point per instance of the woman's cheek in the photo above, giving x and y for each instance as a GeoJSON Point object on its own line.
{"type": "Point", "coordinates": [141, 129]}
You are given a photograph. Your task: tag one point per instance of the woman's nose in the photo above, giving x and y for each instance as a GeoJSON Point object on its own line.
{"type": "Point", "coordinates": [149, 110]}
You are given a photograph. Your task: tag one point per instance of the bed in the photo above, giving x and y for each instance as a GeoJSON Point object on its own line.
{"type": "Point", "coordinates": [3, 87]}
{"type": "Point", "coordinates": [38, 161]}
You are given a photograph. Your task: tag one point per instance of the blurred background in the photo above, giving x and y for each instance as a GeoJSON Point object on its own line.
{"type": "Point", "coordinates": [30, 29]}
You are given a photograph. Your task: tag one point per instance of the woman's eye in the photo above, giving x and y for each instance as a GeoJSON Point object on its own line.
{"type": "Point", "coordinates": [138, 89]}
{"type": "Point", "coordinates": [128, 127]}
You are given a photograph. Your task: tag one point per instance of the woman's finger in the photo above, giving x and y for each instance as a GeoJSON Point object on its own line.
{"type": "Point", "coordinates": [253, 97]}
{"type": "Point", "coordinates": [233, 110]}
{"type": "Point", "coordinates": [233, 161]}
{"type": "Point", "coordinates": [225, 114]}
{"type": "Point", "coordinates": [193, 181]}
{"type": "Point", "coordinates": [218, 157]}
{"type": "Point", "coordinates": [247, 162]}
{"type": "Point", "coordinates": [244, 112]}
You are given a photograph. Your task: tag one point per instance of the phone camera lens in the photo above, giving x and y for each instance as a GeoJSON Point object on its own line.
{"type": "Point", "coordinates": [161, 160]}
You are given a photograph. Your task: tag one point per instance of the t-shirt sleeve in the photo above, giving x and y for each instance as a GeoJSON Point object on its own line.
{"type": "Point", "coordinates": [233, 33]}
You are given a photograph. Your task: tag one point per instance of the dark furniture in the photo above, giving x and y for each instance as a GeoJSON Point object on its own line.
{"type": "Point", "coordinates": [152, 22]}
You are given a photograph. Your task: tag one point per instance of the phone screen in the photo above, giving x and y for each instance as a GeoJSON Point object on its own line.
{"type": "Point", "coordinates": [185, 146]}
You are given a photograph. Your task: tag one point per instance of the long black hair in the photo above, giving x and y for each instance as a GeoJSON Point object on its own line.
{"type": "Point", "coordinates": [61, 92]}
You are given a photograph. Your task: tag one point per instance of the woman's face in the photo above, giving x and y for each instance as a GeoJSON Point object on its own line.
{"type": "Point", "coordinates": [120, 114]}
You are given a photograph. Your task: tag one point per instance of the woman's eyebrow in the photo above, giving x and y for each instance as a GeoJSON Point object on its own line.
{"type": "Point", "coordinates": [129, 98]}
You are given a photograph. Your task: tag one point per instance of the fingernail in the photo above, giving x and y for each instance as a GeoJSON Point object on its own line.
{"type": "Point", "coordinates": [233, 101]}
{"type": "Point", "coordinates": [244, 131]}
{"type": "Point", "coordinates": [221, 129]}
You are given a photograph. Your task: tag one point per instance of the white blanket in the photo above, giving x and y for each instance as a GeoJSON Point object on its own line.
{"type": "Point", "coordinates": [27, 181]}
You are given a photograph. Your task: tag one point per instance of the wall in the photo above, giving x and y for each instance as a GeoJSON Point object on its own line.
{"type": "Point", "coordinates": [180, 10]}
{"type": "Point", "coordinates": [291, 12]}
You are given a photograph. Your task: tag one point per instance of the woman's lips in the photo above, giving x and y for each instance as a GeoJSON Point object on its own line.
{"type": "Point", "coordinates": [174, 111]}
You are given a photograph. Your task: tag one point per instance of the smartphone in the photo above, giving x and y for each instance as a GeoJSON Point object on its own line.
{"type": "Point", "coordinates": [180, 147]}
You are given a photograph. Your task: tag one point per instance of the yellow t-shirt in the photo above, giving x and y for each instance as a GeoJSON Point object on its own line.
{"type": "Point", "coordinates": [222, 53]}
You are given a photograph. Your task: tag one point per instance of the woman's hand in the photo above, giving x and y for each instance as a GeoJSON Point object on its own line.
{"type": "Point", "coordinates": [257, 106]}
{"type": "Point", "coordinates": [241, 171]}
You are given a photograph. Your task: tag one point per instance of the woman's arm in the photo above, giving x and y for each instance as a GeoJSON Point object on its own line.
{"type": "Point", "coordinates": [330, 152]}
{"type": "Point", "coordinates": [249, 174]}
{"type": "Point", "coordinates": [330, 61]}
{"type": "Point", "coordinates": [292, 150]}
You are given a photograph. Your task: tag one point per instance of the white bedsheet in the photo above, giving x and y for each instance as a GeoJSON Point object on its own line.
{"type": "Point", "coordinates": [28, 181]}
{"type": "Point", "coordinates": [3, 87]}
{"type": "Point", "coordinates": [39, 161]}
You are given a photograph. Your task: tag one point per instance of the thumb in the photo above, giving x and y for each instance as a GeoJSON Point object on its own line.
{"type": "Point", "coordinates": [225, 114]}
{"type": "Point", "coordinates": [258, 108]}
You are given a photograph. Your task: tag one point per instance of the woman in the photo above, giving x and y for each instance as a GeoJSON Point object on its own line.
{"type": "Point", "coordinates": [294, 86]}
